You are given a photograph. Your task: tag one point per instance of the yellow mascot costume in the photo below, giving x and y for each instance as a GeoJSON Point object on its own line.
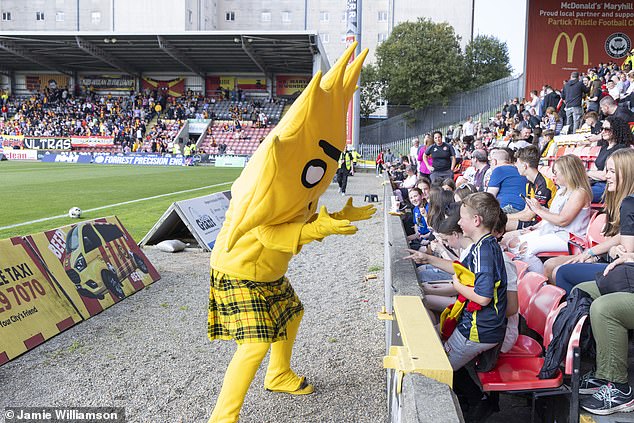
{"type": "Point", "coordinates": [273, 212]}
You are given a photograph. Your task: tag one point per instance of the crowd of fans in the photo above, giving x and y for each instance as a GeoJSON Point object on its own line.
{"type": "Point", "coordinates": [488, 191]}
{"type": "Point", "coordinates": [55, 112]}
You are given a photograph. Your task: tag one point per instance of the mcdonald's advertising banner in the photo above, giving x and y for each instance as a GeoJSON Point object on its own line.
{"type": "Point", "coordinates": [96, 262]}
{"type": "Point", "coordinates": [566, 36]}
{"type": "Point", "coordinates": [33, 308]}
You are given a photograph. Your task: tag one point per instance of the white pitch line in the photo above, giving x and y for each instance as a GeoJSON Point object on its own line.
{"type": "Point", "coordinates": [44, 219]}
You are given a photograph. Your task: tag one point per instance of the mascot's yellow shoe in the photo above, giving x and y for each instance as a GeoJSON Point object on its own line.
{"type": "Point", "coordinates": [305, 388]}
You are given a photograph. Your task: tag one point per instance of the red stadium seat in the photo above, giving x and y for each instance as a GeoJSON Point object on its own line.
{"type": "Point", "coordinates": [543, 302]}
{"type": "Point", "coordinates": [521, 268]}
{"type": "Point", "coordinates": [520, 373]}
{"type": "Point", "coordinates": [595, 230]}
{"type": "Point", "coordinates": [578, 151]}
{"type": "Point", "coordinates": [527, 286]}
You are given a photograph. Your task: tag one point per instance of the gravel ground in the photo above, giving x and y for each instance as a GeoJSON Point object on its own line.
{"type": "Point", "coordinates": [150, 353]}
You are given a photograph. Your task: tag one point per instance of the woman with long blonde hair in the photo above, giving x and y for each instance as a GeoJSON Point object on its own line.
{"type": "Point", "coordinates": [569, 213]}
{"type": "Point", "coordinates": [606, 389]}
{"type": "Point", "coordinates": [623, 186]}
{"type": "Point", "coordinates": [619, 194]}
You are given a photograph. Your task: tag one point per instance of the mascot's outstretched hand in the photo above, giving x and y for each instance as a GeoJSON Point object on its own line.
{"type": "Point", "coordinates": [323, 226]}
{"type": "Point", "coordinates": [352, 213]}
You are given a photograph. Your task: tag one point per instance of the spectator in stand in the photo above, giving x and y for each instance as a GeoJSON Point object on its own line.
{"type": "Point", "coordinates": [462, 191]}
{"type": "Point", "coordinates": [479, 215]}
{"type": "Point", "coordinates": [448, 185]}
{"type": "Point", "coordinates": [613, 90]}
{"type": "Point", "coordinates": [421, 230]}
{"type": "Point", "coordinates": [413, 153]}
{"type": "Point", "coordinates": [480, 160]}
{"type": "Point", "coordinates": [439, 200]}
{"type": "Point", "coordinates": [380, 163]}
{"type": "Point", "coordinates": [456, 133]}
{"type": "Point", "coordinates": [538, 187]}
{"type": "Point", "coordinates": [551, 98]}
{"type": "Point", "coordinates": [422, 164]}
{"type": "Point", "coordinates": [222, 148]}
{"type": "Point", "coordinates": [520, 139]}
{"type": "Point", "coordinates": [402, 192]}
{"type": "Point", "coordinates": [594, 95]}
{"type": "Point", "coordinates": [615, 135]}
{"type": "Point", "coordinates": [528, 121]}
{"type": "Point", "coordinates": [620, 173]}
{"type": "Point", "coordinates": [572, 95]}
{"type": "Point", "coordinates": [611, 315]}
{"type": "Point", "coordinates": [552, 120]}
{"type": "Point", "coordinates": [468, 128]}
{"type": "Point", "coordinates": [591, 120]}
{"type": "Point", "coordinates": [389, 158]}
{"type": "Point", "coordinates": [443, 156]}
{"type": "Point", "coordinates": [513, 108]}
{"type": "Point", "coordinates": [569, 213]}
{"type": "Point", "coordinates": [506, 183]}
{"type": "Point", "coordinates": [546, 141]}
{"type": "Point", "coordinates": [449, 136]}
{"type": "Point", "coordinates": [609, 107]}
{"type": "Point", "coordinates": [627, 99]}
{"type": "Point", "coordinates": [535, 105]}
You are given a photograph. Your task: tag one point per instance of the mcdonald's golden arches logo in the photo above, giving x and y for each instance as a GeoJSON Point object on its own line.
{"type": "Point", "coordinates": [570, 45]}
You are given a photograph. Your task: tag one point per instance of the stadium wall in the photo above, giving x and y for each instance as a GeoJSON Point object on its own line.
{"type": "Point", "coordinates": [416, 393]}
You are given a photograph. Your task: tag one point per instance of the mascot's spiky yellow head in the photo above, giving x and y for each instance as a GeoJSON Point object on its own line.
{"type": "Point", "coordinates": [295, 164]}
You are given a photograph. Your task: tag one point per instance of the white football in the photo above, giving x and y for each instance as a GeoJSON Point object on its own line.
{"type": "Point", "coordinates": [74, 212]}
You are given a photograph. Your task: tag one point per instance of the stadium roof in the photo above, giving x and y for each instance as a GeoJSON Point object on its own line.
{"type": "Point", "coordinates": [199, 52]}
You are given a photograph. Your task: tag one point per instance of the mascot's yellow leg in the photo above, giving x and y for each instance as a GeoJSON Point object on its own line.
{"type": "Point", "coordinates": [238, 378]}
{"type": "Point", "coordinates": [279, 376]}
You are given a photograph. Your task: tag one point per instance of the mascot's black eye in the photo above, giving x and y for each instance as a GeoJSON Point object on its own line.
{"type": "Point", "coordinates": [313, 172]}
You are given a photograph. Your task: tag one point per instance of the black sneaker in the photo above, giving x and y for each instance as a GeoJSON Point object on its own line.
{"type": "Point", "coordinates": [608, 400]}
{"type": "Point", "coordinates": [590, 384]}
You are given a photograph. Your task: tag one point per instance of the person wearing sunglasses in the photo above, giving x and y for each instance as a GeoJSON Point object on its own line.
{"type": "Point", "coordinates": [615, 135]}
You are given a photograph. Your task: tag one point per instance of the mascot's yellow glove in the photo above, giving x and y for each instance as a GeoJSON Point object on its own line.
{"type": "Point", "coordinates": [352, 213]}
{"type": "Point", "coordinates": [323, 226]}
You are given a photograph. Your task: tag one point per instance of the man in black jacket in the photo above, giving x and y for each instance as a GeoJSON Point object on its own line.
{"type": "Point", "coordinates": [573, 94]}
{"type": "Point", "coordinates": [551, 98]}
{"type": "Point", "coordinates": [609, 107]}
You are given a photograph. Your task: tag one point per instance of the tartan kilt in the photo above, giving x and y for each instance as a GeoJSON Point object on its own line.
{"type": "Point", "coordinates": [249, 311]}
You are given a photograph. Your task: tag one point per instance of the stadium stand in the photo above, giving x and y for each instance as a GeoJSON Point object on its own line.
{"type": "Point", "coordinates": [520, 123]}
{"type": "Point", "coordinates": [135, 124]}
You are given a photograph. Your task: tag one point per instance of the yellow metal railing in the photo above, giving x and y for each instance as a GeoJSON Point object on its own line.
{"type": "Point", "coordinates": [422, 351]}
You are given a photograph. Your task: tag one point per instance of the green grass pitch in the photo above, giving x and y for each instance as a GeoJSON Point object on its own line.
{"type": "Point", "coordinates": [33, 190]}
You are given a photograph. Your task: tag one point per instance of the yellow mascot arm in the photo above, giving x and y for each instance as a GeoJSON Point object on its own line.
{"type": "Point", "coordinates": [323, 226]}
{"type": "Point", "coordinates": [289, 237]}
{"type": "Point", "coordinates": [352, 213]}
{"type": "Point", "coordinates": [283, 237]}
